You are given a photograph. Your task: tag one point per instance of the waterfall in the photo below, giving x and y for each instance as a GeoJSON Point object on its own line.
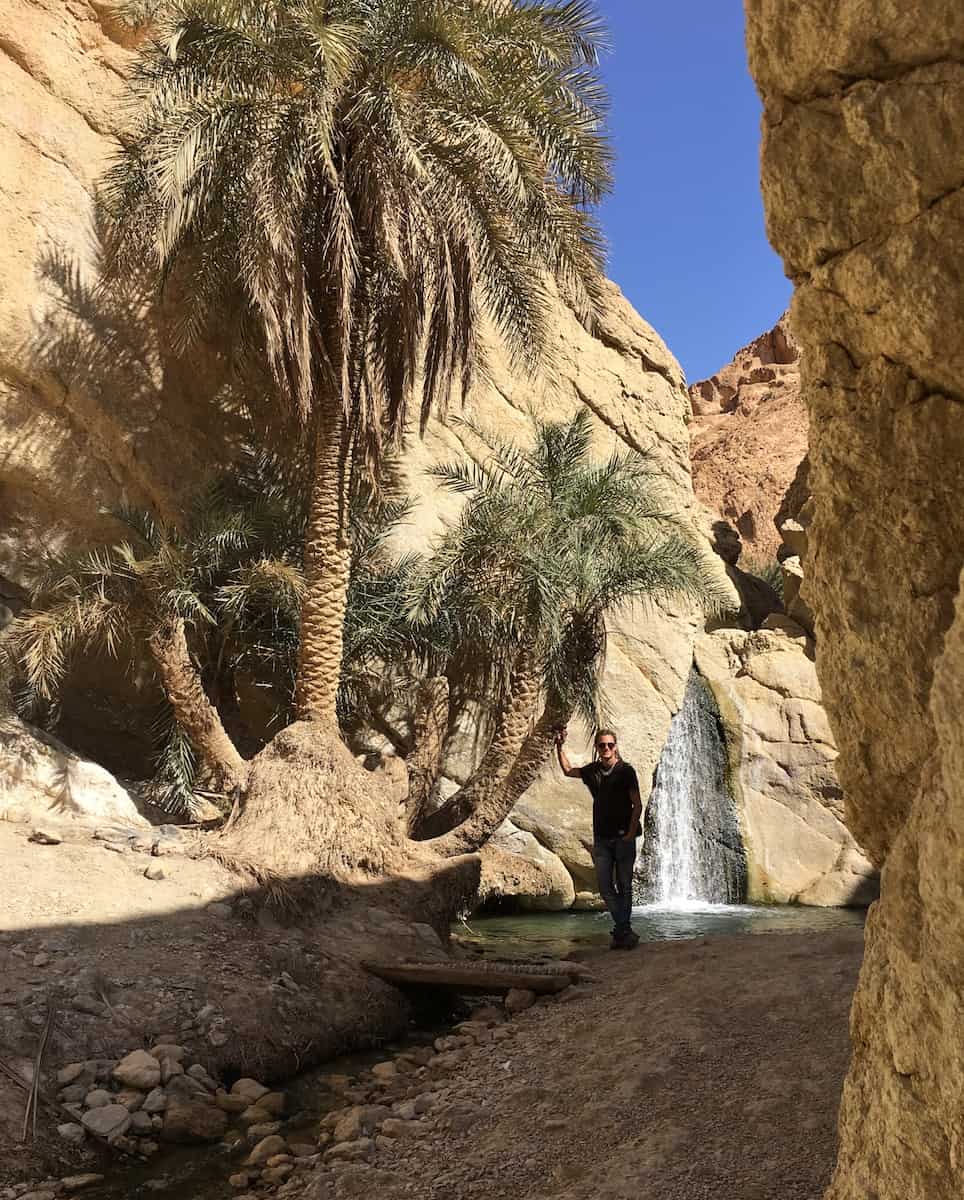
{"type": "Point", "coordinates": [692, 849]}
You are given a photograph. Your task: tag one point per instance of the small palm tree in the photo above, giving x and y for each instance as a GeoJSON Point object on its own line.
{"type": "Point", "coordinates": [352, 188]}
{"type": "Point", "coordinates": [219, 597]}
{"type": "Point", "coordinates": [550, 544]}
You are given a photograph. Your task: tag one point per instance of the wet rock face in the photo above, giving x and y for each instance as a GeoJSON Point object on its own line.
{"type": "Point", "coordinates": [862, 182]}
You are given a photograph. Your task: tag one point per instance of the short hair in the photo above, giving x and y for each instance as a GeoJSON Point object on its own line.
{"type": "Point", "coordinates": [606, 733]}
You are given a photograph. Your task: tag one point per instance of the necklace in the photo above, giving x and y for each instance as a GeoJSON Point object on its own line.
{"type": "Point", "coordinates": [607, 770]}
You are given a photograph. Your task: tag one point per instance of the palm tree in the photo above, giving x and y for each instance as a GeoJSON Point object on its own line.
{"type": "Point", "coordinates": [208, 601]}
{"type": "Point", "coordinates": [550, 544]}
{"type": "Point", "coordinates": [352, 189]}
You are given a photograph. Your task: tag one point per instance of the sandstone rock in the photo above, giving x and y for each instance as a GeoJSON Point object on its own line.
{"type": "Point", "coordinates": [72, 1072]}
{"type": "Point", "coordinates": [863, 140]}
{"type": "Point", "coordinates": [748, 436]}
{"type": "Point", "coordinates": [76, 1183]}
{"type": "Point", "coordinates": [519, 999]}
{"type": "Point", "coordinates": [170, 1051]}
{"type": "Point", "coordinates": [273, 1103]}
{"type": "Point", "coordinates": [72, 1132]}
{"type": "Point", "coordinates": [41, 778]}
{"type": "Point", "coordinates": [384, 1070]}
{"type": "Point", "coordinates": [187, 1120]}
{"type": "Point", "coordinates": [138, 1070]}
{"type": "Point", "coordinates": [350, 1151]}
{"type": "Point", "coordinates": [154, 873]}
{"type": "Point", "coordinates": [515, 865]}
{"type": "Point", "coordinates": [110, 1121]}
{"type": "Point", "coordinates": [277, 1174]}
{"type": "Point", "coordinates": [782, 770]}
{"type": "Point", "coordinates": [231, 1104]}
{"type": "Point", "coordinates": [265, 1149]}
{"type": "Point", "coordinates": [249, 1089]}
{"type": "Point", "coordinates": [255, 1133]}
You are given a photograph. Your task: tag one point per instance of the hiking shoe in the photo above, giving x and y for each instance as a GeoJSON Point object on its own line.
{"type": "Point", "coordinates": [627, 940]}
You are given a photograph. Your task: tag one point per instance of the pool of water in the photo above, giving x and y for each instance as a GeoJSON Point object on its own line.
{"type": "Point", "coordinates": [561, 933]}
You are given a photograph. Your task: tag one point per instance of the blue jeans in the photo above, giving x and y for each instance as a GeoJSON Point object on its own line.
{"type": "Point", "coordinates": [615, 859]}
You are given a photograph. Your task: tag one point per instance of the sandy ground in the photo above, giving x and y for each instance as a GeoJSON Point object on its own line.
{"type": "Point", "coordinates": [688, 1071]}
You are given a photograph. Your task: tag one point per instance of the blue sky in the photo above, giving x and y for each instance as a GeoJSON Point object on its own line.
{"type": "Point", "coordinates": [685, 224]}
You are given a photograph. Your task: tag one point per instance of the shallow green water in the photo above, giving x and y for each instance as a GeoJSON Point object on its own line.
{"type": "Point", "coordinates": [561, 933]}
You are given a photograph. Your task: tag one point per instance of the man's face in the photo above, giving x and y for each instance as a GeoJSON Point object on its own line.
{"type": "Point", "coordinates": [606, 748]}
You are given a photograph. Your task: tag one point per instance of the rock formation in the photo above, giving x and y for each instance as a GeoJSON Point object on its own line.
{"type": "Point", "coordinates": [95, 408]}
{"type": "Point", "coordinates": [782, 756]}
{"type": "Point", "coordinates": [864, 195]}
{"type": "Point", "coordinates": [748, 436]}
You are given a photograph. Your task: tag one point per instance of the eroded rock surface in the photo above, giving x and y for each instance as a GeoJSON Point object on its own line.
{"type": "Point", "coordinates": [749, 436]}
{"type": "Point", "coordinates": [864, 191]}
{"type": "Point", "coordinates": [782, 757]}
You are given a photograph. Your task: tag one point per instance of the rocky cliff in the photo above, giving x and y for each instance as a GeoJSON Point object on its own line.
{"type": "Point", "coordinates": [748, 437]}
{"type": "Point", "coordinates": [95, 408]}
{"type": "Point", "coordinates": [864, 191]}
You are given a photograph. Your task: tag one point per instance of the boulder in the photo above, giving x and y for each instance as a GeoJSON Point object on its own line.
{"type": "Point", "coordinates": [515, 866]}
{"type": "Point", "coordinates": [782, 768]}
{"type": "Point", "coordinates": [41, 779]}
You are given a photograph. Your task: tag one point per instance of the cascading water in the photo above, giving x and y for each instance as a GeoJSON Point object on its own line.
{"type": "Point", "coordinates": [692, 850]}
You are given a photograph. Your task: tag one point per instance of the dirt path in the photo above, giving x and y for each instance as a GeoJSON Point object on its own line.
{"type": "Point", "coordinates": [689, 1071]}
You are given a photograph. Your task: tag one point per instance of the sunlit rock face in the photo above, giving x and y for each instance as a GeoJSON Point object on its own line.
{"type": "Point", "coordinates": [864, 193]}
{"type": "Point", "coordinates": [748, 437]}
{"type": "Point", "coordinates": [96, 409]}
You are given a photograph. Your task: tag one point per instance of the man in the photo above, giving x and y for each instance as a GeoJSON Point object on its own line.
{"type": "Point", "coordinates": [616, 812]}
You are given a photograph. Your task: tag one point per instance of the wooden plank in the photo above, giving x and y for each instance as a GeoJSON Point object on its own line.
{"type": "Point", "coordinates": [469, 977]}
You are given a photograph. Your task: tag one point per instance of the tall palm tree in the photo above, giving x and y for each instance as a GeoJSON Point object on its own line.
{"type": "Point", "coordinates": [549, 546]}
{"type": "Point", "coordinates": [352, 189]}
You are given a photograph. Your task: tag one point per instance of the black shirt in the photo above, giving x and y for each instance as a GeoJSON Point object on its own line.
{"type": "Point", "coordinates": [612, 798]}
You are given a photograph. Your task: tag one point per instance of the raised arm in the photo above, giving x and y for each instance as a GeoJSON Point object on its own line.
{"type": "Point", "coordinates": [567, 768]}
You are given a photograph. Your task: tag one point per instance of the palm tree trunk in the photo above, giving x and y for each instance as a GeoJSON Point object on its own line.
{"type": "Point", "coordinates": [193, 710]}
{"type": "Point", "coordinates": [495, 804]}
{"type": "Point", "coordinates": [327, 565]}
{"type": "Point", "coordinates": [425, 761]}
{"type": "Point", "coordinates": [514, 723]}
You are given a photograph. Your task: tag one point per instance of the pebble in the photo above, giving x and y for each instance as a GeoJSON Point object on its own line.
{"type": "Point", "coordinates": [250, 1089]}
{"type": "Point", "coordinates": [274, 1102]}
{"type": "Point", "coordinates": [230, 1104]}
{"type": "Point", "coordinates": [74, 1093]}
{"type": "Point", "coordinates": [266, 1129]}
{"type": "Point", "coordinates": [154, 873]}
{"type": "Point", "coordinates": [385, 1070]}
{"type": "Point", "coordinates": [241, 1180]}
{"type": "Point", "coordinates": [155, 1101]}
{"type": "Point", "coordinates": [169, 1050]}
{"type": "Point", "coordinates": [131, 1099]}
{"type": "Point", "coordinates": [277, 1174]}
{"type": "Point", "coordinates": [361, 1148]}
{"type": "Point", "coordinates": [142, 1122]}
{"type": "Point", "coordinates": [138, 1070]}
{"type": "Point", "coordinates": [110, 1121]}
{"type": "Point", "coordinates": [519, 999]}
{"type": "Point", "coordinates": [265, 1149]}
{"type": "Point", "coordinates": [76, 1183]}
{"type": "Point", "coordinates": [88, 1004]}
{"type": "Point", "coordinates": [98, 1098]}
{"type": "Point", "coordinates": [71, 1073]}
{"type": "Point", "coordinates": [45, 837]}
{"type": "Point", "coordinates": [72, 1132]}
{"type": "Point", "coordinates": [41, 960]}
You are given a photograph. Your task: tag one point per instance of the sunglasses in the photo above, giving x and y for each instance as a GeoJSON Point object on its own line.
{"type": "Point", "coordinates": [605, 745]}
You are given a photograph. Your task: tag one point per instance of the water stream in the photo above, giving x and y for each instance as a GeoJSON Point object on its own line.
{"type": "Point", "coordinates": [692, 851]}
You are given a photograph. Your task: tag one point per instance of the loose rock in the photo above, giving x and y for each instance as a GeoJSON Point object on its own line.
{"type": "Point", "coordinates": [265, 1149]}
{"type": "Point", "coordinates": [76, 1183]}
{"type": "Point", "coordinates": [138, 1070]}
{"type": "Point", "coordinates": [73, 1133]}
{"type": "Point", "coordinates": [187, 1120]}
{"type": "Point", "coordinates": [46, 837]}
{"type": "Point", "coordinates": [109, 1122]}
{"type": "Point", "coordinates": [98, 1098]}
{"type": "Point", "coordinates": [519, 999]}
{"type": "Point", "coordinates": [250, 1089]}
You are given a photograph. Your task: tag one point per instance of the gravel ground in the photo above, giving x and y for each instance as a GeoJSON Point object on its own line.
{"type": "Point", "coordinates": [688, 1071]}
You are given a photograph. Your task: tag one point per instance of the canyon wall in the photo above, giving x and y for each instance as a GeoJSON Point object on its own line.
{"type": "Point", "coordinates": [96, 409]}
{"type": "Point", "coordinates": [748, 438]}
{"type": "Point", "coordinates": [863, 183]}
